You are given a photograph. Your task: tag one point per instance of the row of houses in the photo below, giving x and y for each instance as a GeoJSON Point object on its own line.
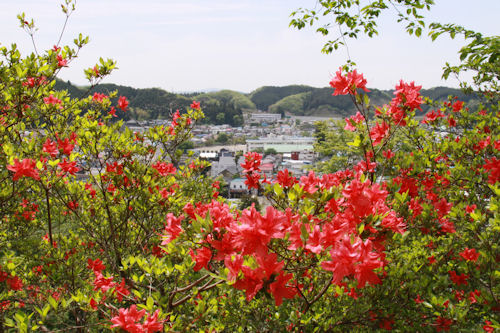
{"type": "Point", "coordinates": [227, 165]}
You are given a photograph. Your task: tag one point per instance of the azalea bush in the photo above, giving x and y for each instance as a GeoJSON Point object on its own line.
{"type": "Point", "coordinates": [106, 229]}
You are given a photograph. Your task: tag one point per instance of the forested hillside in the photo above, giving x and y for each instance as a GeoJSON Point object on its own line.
{"type": "Point", "coordinates": [227, 106]}
{"type": "Point", "coordinates": [266, 96]}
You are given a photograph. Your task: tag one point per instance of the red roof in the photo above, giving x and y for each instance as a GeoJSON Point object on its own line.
{"type": "Point", "coordinates": [267, 167]}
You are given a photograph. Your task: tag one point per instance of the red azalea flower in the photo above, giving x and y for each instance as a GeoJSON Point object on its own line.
{"type": "Point", "coordinates": [458, 279]}
{"type": "Point", "coordinates": [95, 265]}
{"type": "Point", "coordinates": [195, 105]}
{"type": "Point", "coordinates": [470, 209]}
{"type": "Point", "coordinates": [123, 103]}
{"type": "Point", "coordinates": [98, 97]}
{"type": "Point", "coordinates": [112, 112]}
{"type": "Point", "coordinates": [443, 324]}
{"type": "Point", "coordinates": [356, 119]}
{"type": "Point", "coordinates": [388, 154]}
{"type": "Point", "coordinates": [285, 179]}
{"type": "Point", "coordinates": [51, 100]}
{"type": "Point", "coordinates": [66, 145]}
{"type": "Point", "coordinates": [164, 169]}
{"type": "Point", "coordinates": [25, 168]}
{"type": "Point", "coordinates": [93, 304]}
{"type": "Point", "coordinates": [173, 228]}
{"type": "Point", "coordinates": [61, 62]}
{"type": "Point", "coordinates": [457, 106]}
{"type": "Point", "coordinates": [121, 290]}
{"type": "Point", "coordinates": [102, 283]}
{"type": "Point", "coordinates": [50, 148]}
{"type": "Point", "coordinates": [348, 84]}
{"type": "Point", "coordinates": [202, 258]}
{"type": "Point", "coordinates": [69, 167]}
{"type": "Point", "coordinates": [493, 167]}
{"type": "Point", "coordinates": [379, 132]}
{"type": "Point", "coordinates": [14, 283]}
{"type": "Point", "coordinates": [469, 254]}
{"type": "Point", "coordinates": [487, 327]}
{"type": "Point", "coordinates": [127, 319]}
{"type": "Point", "coordinates": [151, 323]}
{"type": "Point", "coordinates": [279, 288]}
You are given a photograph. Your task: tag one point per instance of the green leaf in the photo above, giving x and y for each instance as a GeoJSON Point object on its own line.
{"type": "Point", "coordinates": [150, 304]}
{"type": "Point", "coordinates": [8, 149]}
{"type": "Point", "coordinates": [53, 302]}
{"type": "Point", "coordinates": [304, 235]}
{"type": "Point", "coordinates": [278, 190]}
{"type": "Point", "coordinates": [356, 142]}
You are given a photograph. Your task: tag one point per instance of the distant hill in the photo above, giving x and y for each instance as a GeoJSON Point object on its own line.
{"type": "Point", "coordinates": [227, 106]}
{"type": "Point", "coordinates": [320, 102]}
{"type": "Point", "coordinates": [156, 103]}
{"type": "Point", "coordinates": [266, 96]}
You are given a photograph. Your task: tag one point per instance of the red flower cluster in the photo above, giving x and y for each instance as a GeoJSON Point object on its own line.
{"type": "Point", "coordinates": [285, 179]}
{"type": "Point", "coordinates": [469, 254]}
{"type": "Point", "coordinates": [68, 167]}
{"type": "Point", "coordinates": [123, 103]}
{"type": "Point", "coordinates": [98, 97]}
{"type": "Point", "coordinates": [493, 167]}
{"type": "Point", "coordinates": [50, 148]}
{"type": "Point", "coordinates": [195, 105]}
{"type": "Point", "coordinates": [242, 242]}
{"type": "Point", "coordinates": [347, 84]}
{"type": "Point", "coordinates": [13, 281]}
{"type": "Point", "coordinates": [251, 168]}
{"type": "Point", "coordinates": [61, 62]}
{"type": "Point", "coordinates": [407, 99]}
{"type": "Point", "coordinates": [379, 132]}
{"type": "Point", "coordinates": [164, 169]}
{"type": "Point", "coordinates": [24, 168]}
{"type": "Point", "coordinates": [129, 321]}
{"type": "Point", "coordinates": [31, 82]}
{"type": "Point", "coordinates": [352, 121]}
{"type": "Point", "coordinates": [51, 100]}
{"type": "Point", "coordinates": [173, 228]}
{"type": "Point", "coordinates": [458, 279]}
{"type": "Point", "coordinates": [104, 284]}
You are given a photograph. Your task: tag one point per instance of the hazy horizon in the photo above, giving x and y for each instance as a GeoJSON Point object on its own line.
{"type": "Point", "coordinates": [194, 45]}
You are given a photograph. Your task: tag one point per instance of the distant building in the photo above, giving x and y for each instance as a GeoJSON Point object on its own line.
{"type": "Point", "coordinates": [267, 169]}
{"type": "Point", "coordinates": [307, 155]}
{"type": "Point", "coordinates": [218, 149]}
{"type": "Point", "coordinates": [225, 167]}
{"type": "Point", "coordinates": [265, 117]}
{"type": "Point", "coordinates": [282, 144]}
{"type": "Point", "coordinates": [237, 187]}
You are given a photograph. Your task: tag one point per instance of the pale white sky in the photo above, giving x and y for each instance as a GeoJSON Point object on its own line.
{"type": "Point", "coordinates": [192, 45]}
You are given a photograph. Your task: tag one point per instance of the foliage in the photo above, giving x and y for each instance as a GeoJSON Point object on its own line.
{"type": "Point", "coordinates": [354, 18]}
{"type": "Point", "coordinates": [270, 151]}
{"type": "Point", "coordinates": [247, 201]}
{"type": "Point", "coordinates": [332, 143]}
{"type": "Point", "coordinates": [481, 54]}
{"type": "Point", "coordinates": [106, 229]}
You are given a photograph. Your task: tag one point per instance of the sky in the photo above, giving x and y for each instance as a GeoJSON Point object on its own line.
{"type": "Point", "coordinates": [195, 45]}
